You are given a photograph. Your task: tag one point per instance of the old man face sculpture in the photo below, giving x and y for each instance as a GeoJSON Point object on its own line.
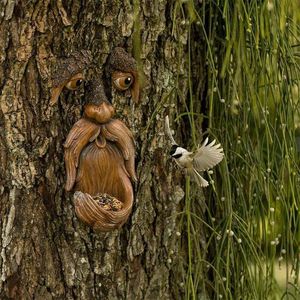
{"type": "Point", "coordinates": [99, 150]}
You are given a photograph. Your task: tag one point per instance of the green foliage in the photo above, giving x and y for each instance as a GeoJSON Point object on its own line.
{"type": "Point", "coordinates": [251, 211]}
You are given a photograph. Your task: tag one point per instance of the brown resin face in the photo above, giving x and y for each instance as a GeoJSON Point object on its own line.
{"type": "Point", "coordinates": [122, 81]}
{"type": "Point", "coordinates": [122, 69]}
{"type": "Point", "coordinates": [101, 113]}
{"type": "Point", "coordinates": [69, 73]}
{"type": "Point", "coordinates": [99, 159]}
{"type": "Point", "coordinates": [98, 108]}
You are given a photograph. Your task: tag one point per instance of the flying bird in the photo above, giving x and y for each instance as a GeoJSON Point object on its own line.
{"type": "Point", "coordinates": [203, 158]}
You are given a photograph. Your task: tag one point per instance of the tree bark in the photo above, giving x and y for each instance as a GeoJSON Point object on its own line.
{"type": "Point", "coordinates": [46, 252]}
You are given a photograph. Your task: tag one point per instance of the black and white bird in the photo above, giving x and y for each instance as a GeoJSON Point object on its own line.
{"type": "Point", "coordinates": [202, 159]}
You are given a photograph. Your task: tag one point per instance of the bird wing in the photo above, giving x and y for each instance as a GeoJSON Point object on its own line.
{"type": "Point", "coordinates": [79, 136]}
{"type": "Point", "coordinates": [207, 156]}
{"type": "Point", "coordinates": [196, 177]}
{"type": "Point", "coordinates": [168, 131]}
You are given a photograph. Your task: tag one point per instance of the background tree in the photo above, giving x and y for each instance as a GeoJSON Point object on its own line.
{"type": "Point", "coordinates": [227, 68]}
{"type": "Point", "coordinates": [45, 251]}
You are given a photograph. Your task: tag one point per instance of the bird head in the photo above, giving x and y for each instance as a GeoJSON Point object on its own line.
{"type": "Point", "coordinates": [177, 151]}
{"type": "Point", "coordinates": [173, 149]}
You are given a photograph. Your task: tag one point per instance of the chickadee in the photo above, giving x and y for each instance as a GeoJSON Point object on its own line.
{"type": "Point", "coordinates": [202, 159]}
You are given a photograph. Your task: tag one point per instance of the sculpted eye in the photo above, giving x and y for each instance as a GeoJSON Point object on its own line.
{"type": "Point", "coordinates": [122, 81]}
{"type": "Point", "coordinates": [79, 82]}
{"type": "Point", "coordinates": [75, 82]}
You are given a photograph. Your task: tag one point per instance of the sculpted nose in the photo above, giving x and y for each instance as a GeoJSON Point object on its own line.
{"type": "Point", "coordinates": [107, 109]}
{"type": "Point", "coordinates": [100, 113]}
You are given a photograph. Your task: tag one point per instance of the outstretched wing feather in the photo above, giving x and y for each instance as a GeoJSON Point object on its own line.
{"type": "Point", "coordinates": [207, 156]}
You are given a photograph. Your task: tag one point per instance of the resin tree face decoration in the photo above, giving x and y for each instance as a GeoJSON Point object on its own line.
{"type": "Point", "coordinates": [69, 73]}
{"type": "Point", "coordinates": [123, 73]}
{"type": "Point", "coordinates": [99, 158]}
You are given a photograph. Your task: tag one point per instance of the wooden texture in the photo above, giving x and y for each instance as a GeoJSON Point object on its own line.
{"type": "Point", "coordinates": [46, 252]}
{"type": "Point", "coordinates": [100, 160]}
{"type": "Point", "coordinates": [119, 60]}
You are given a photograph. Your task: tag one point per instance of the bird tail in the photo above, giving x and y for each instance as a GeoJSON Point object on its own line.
{"type": "Point", "coordinates": [196, 177]}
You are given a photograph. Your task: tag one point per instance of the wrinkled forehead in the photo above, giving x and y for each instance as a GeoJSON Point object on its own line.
{"type": "Point", "coordinates": [66, 68]}
{"type": "Point", "coordinates": [121, 60]}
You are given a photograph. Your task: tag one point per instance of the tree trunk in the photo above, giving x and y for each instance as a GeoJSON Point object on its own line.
{"type": "Point", "coordinates": [46, 252]}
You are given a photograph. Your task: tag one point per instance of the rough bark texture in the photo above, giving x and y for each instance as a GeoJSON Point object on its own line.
{"type": "Point", "coordinates": [46, 252]}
